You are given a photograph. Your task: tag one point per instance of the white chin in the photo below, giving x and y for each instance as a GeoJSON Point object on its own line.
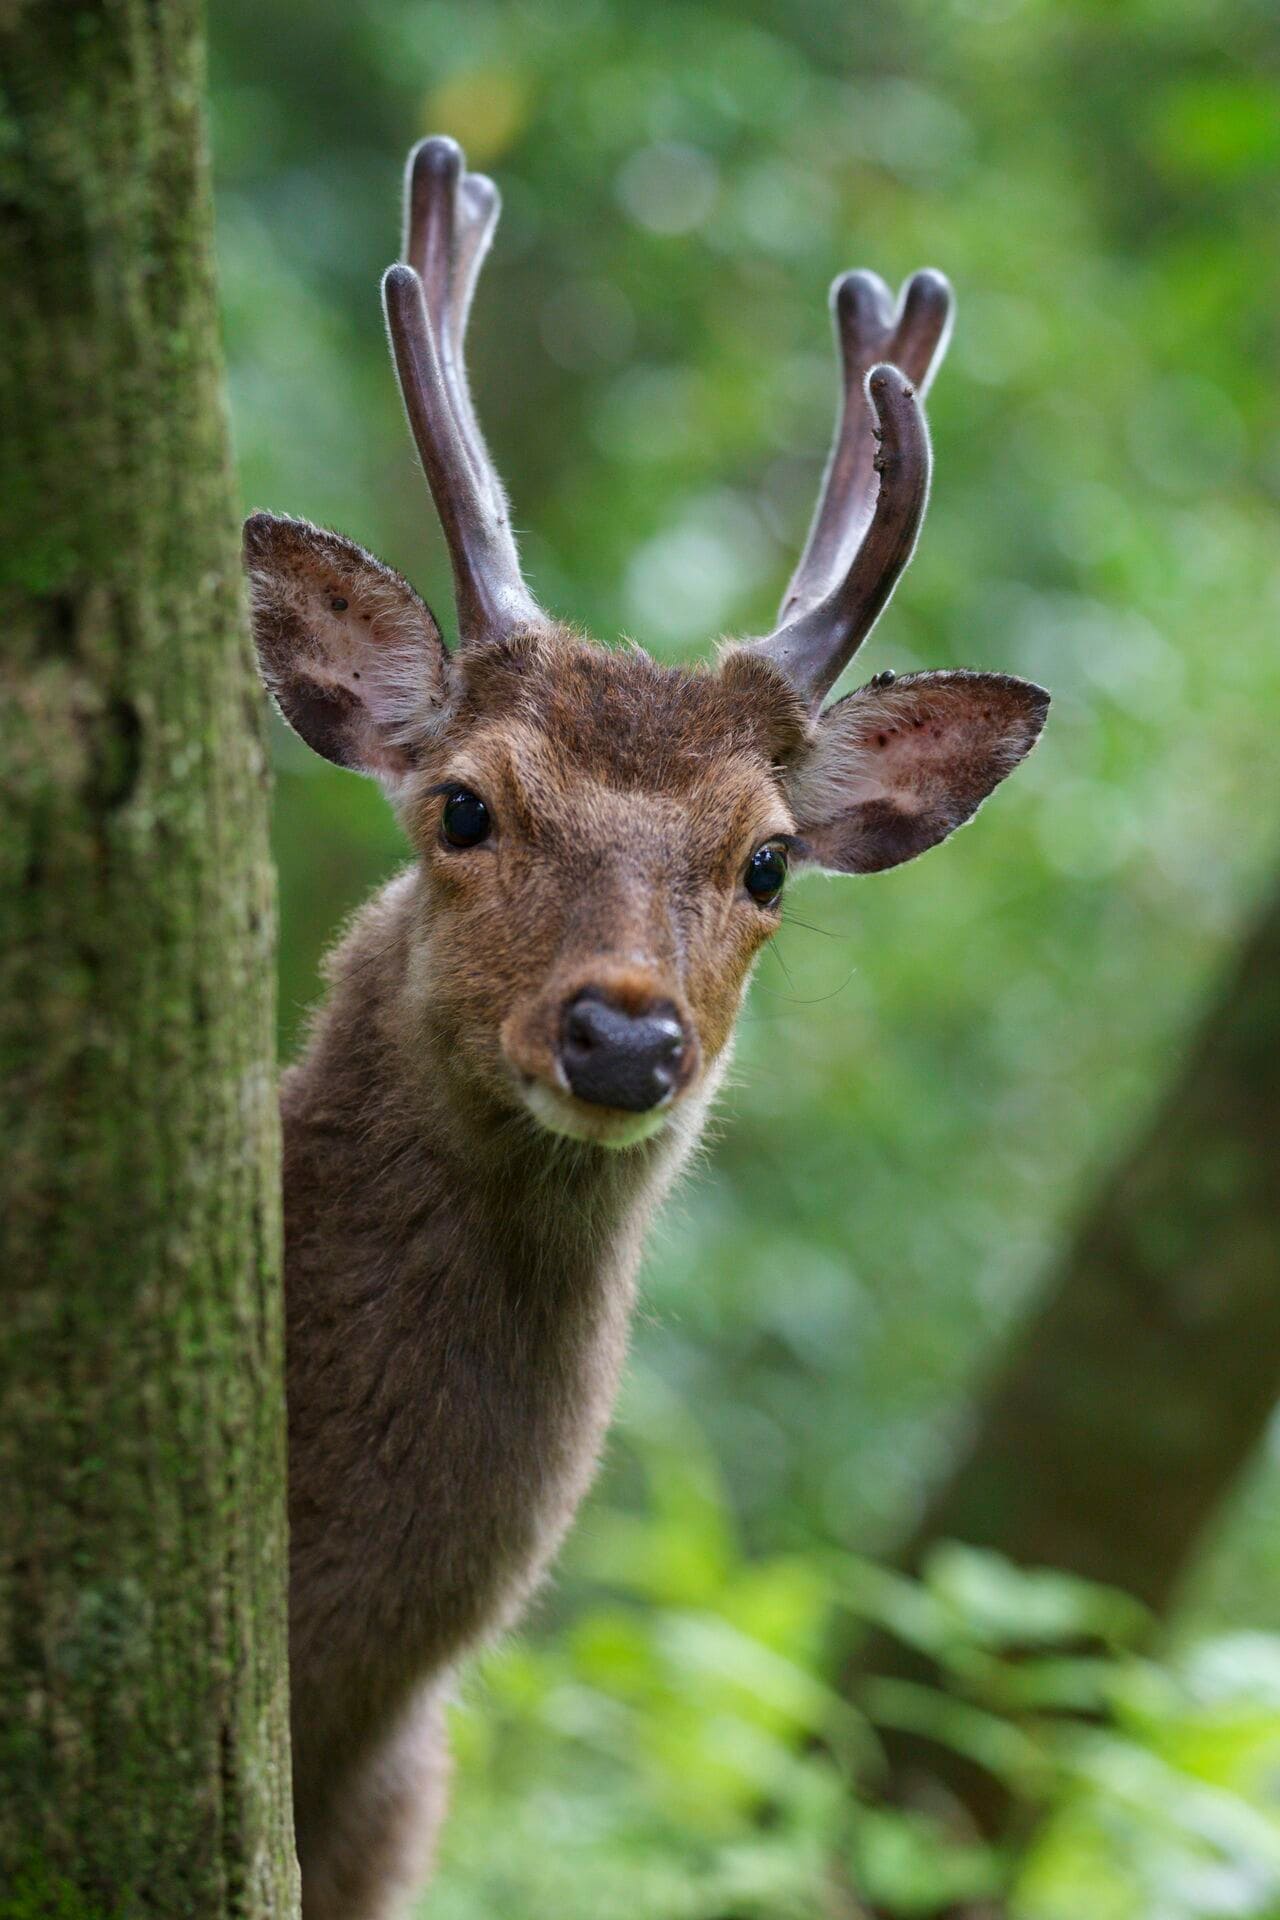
{"type": "Point", "coordinates": [599, 1126]}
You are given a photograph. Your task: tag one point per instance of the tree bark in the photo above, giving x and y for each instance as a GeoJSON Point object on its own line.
{"type": "Point", "coordinates": [1137, 1391]}
{"type": "Point", "coordinates": [143, 1682]}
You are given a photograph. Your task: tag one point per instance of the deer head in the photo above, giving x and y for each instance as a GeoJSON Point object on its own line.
{"type": "Point", "coordinates": [602, 842]}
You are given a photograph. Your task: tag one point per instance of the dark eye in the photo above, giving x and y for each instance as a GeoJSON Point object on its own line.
{"type": "Point", "coordinates": [766, 874]}
{"type": "Point", "coordinates": [465, 821]}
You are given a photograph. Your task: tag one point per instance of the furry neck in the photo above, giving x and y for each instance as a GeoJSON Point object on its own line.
{"type": "Point", "coordinates": [459, 1289]}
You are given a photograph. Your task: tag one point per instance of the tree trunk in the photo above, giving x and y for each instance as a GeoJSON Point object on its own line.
{"type": "Point", "coordinates": [143, 1689]}
{"type": "Point", "coordinates": [1137, 1391]}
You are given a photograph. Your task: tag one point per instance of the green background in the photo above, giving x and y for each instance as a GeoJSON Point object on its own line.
{"type": "Point", "coordinates": [937, 1065]}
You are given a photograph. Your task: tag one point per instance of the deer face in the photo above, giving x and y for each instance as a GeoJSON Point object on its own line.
{"type": "Point", "coordinates": [603, 842]}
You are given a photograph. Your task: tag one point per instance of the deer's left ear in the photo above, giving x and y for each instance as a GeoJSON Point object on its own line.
{"type": "Point", "coordinates": [895, 768]}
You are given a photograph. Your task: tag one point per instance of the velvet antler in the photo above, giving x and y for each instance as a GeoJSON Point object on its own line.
{"type": "Point", "coordinates": [863, 533]}
{"type": "Point", "coordinates": [450, 216]}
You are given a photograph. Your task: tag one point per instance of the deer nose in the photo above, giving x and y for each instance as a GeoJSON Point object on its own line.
{"type": "Point", "coordinates": [616, 1059]}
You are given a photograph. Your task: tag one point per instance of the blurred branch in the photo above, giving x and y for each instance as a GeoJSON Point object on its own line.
{"type": "Point", "coordinates": [1136, 1392]}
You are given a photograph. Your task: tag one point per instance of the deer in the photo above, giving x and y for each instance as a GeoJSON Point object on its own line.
{"type": "Point", "coordinates": [523, 1032]}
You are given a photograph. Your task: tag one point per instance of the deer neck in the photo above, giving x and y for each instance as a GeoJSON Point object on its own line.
{"type": "Point", "coordinates": [463, 1287]}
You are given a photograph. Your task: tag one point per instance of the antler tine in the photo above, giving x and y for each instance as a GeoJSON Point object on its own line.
{"type": "Point", "coordinates": [814, 648]}
{"type": "Point", "coordinates": [480, 204]}
{"type": "Point", "coordinates": [491, 594]}
{"type": "Point", "coordinates": [868, 332]}
{"type": "Point", "coordinates": [449, 220]}
{"type": "Point", "coordinates": [432, 173]}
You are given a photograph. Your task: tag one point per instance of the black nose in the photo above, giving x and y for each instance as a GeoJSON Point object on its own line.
{"type": "Point", "coordinates": [616, 1059]}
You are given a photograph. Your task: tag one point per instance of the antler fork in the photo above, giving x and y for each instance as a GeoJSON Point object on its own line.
{"type": "Point", "coordinates": [862, 536]}
{"type": "Point", "coordinates": [450, 216]}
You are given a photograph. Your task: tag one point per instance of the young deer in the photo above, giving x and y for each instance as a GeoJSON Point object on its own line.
{"type": "Point", "coordinates": [523, 1031]}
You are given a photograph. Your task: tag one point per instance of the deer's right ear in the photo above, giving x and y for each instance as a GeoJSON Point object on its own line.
{"type": "Point", "coordinates": [352, 655]}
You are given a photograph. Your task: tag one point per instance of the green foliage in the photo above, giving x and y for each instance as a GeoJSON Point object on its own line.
{"type": "Point", "coordinates": [936, 1065]}
{"type": "Point", "coordinates": [627, 1762]}
{"type": "Point", "coordinates": [678, 1752]}
{"type": "Point", "coordinates": [38, 1892]}
{"type": "Point", "coordinates": [1170, 1807]}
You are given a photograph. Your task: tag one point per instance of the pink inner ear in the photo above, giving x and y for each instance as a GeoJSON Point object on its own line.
{"type": "Point", "coordinates": [895, 769]}
{"type": "Point", "coordinates": [891, 762]}
{"type": "Point", "coordinates": [351, 653]}
{"type": "Point", "coordinates": [368, 641]}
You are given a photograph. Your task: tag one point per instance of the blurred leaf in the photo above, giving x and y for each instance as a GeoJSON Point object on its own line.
{"type": "Point", "coordinates": [1005, 1606]}
{"type": "Point", "coordinates": [993, 1743]}
{"type": "Point", "coordinates": [904, 1863]}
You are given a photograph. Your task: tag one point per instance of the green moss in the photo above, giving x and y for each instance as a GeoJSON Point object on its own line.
{"type": "Point", "coordinates": [38, 1892]}
{"type": "Point", "coordinates": [144, 1761]}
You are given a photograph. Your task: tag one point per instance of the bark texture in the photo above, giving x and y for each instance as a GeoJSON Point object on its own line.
{"type": "Point", "coordinates": [1135, 1394]}
{"type": "Point", "coordinates": [143, 1693]}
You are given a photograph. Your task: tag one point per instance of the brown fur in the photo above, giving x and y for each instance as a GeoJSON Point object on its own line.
{"type": "Point", "coordinates": [459, 1277]}
{"type": "Point", "coordinates": [462, 1229]}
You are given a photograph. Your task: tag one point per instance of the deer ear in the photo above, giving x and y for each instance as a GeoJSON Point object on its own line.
{"type": "Point", "coordinates": [352, 655]}
{"type": "Point", "coordinates": [894, 769]}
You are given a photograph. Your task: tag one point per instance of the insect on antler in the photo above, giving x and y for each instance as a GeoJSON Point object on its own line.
{"type": "Point", "coordinates": [450, 216]}
{"type": "Point", "coordinates": [862, 536]}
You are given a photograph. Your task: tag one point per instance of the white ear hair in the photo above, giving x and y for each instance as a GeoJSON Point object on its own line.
{"type": "Point", "coordinates": [895, 768]}
{"type": "Point", "coordinates": [352, 655]}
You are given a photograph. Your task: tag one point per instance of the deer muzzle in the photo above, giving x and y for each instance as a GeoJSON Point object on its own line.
{"type": "Point", "coordinates": [614, 1057]}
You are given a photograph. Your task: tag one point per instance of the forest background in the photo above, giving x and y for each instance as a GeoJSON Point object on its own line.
{"type": "Point", "coordinates": [938, 1067]}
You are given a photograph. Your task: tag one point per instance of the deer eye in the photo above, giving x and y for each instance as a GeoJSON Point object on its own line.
{"type": "Point", "coordinates": [766, 873]}
{"type": "Point", "coordinates": [465, 820]}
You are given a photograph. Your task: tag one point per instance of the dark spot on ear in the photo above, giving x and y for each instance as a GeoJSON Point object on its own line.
{"type": "Point", "coordinates": [338, 604]}
{"type": "Point", "coordinates": [882, 739]}
{"type": "Point", "coordinates": [325, 717]}
{"type": "Point", "coordinates": [878, 834]}
{"type": "Point", "coordinates": [355, 673]}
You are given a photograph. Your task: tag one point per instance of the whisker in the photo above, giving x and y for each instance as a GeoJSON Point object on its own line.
{"type": "Point", "coordinates": [794, 920]}
{"type": "Point", "coordinates": [795, 999]}
{"type": "Point", "coordinates": [776, 951]}
{"type": "Point", "coordinates": [820, 998]}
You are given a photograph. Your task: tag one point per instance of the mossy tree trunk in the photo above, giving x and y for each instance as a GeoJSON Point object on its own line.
{"type": "Point", "coordinates": [1140, 1386]}
{"type": "Point", "coordinates": [143, 1691]}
